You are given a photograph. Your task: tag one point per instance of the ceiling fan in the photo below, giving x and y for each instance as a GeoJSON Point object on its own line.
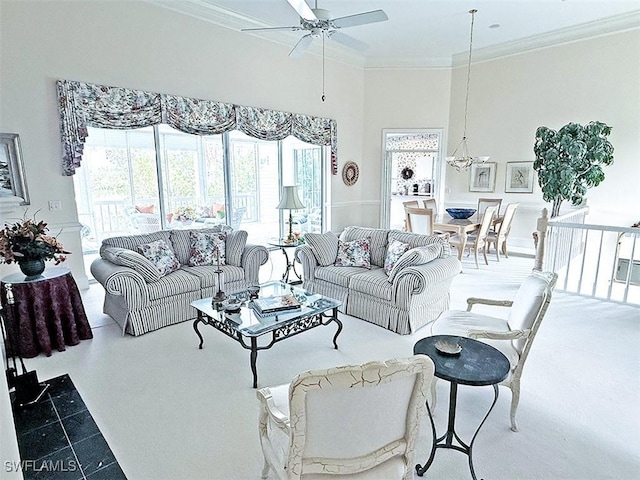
{"type": "Point", "coordinates": [319, 23]}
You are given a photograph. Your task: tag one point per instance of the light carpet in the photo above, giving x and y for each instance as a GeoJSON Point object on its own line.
{"type": "Point", "coordinates": [171, 411]}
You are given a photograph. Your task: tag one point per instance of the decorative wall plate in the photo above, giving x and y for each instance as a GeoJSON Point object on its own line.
{"type": "Point", "coordinates": [350, 173]}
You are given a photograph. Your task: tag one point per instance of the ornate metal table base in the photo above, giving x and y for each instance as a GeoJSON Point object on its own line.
{"type": "Point", "coordinates": [447, 440]}
{"type": "Point", "coordinates": [475, 364]}
{"type": "Point", "coordinates": [291, 265]}
{"type": "Point", "coordinates": [285, 331]}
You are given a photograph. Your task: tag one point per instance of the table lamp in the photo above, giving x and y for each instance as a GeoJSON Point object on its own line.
{"type": "Point", "coordinates": [290, 201]}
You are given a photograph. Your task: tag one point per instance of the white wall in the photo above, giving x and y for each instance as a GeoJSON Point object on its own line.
{"type": "Point", "coordinates": [137, 45]}
{"type": "Point", "coordinates": [595, 79]}
{"type": "Point", "coordinates": [416, 98]}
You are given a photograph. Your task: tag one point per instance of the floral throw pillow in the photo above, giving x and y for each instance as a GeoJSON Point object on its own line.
{"type": "Point", "coordinates": [206, 247]}
{"type": "Point", "coordinates": [161, 255]}
{"type": "Point", "coordinates": [356, 253]}
{"type": "Point", "coordinates": [395, 250]}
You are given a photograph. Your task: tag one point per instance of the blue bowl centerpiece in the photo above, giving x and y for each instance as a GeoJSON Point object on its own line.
{"type": "Point", "coordinates": [461, 213]}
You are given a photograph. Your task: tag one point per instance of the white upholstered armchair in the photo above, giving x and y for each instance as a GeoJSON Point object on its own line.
{"type": "Point", "coordinates": [317, 425]}
{"type": "Point", "coordinates": [513, 336]}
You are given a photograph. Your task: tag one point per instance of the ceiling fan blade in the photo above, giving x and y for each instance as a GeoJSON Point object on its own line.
{"type": "Point", "coordinates": [360, 19]}
{"type": "Point", "coordinates": [347, 41]}
{"type": "Point", "coordinates": [291, 29]}
{"type": "Point", "coordinates": [301, 46]}
{"type": "Point", "coordinates": [303, 9]}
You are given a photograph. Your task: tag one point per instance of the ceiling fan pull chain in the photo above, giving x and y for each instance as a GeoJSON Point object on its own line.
{"type": "Point", "coordinates": [323, 97]}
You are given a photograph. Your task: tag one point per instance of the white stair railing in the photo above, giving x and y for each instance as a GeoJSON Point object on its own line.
{"type": "Point", "coordinates": [598, 261]}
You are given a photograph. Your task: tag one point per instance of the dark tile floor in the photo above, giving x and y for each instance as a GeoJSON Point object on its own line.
{"type": "Point", "coordinates": [58, 438]}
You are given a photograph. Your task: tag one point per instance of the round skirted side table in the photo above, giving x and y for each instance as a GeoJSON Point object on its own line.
{"type": "Point", "coordinates": [46, 313]}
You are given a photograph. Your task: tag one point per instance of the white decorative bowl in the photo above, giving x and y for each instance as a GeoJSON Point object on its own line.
{"type": "Point", "coordinates": [448, 348]}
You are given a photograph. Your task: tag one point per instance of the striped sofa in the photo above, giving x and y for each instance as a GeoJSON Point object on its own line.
{"type": "Point", "coordinates": [140, 300]}
{"type": "Point", "coordinates": [412, 295]}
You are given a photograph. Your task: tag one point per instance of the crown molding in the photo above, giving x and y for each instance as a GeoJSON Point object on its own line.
{"type": "Point", "coordinates": [605, 26]}
{"type": "Point", "coordinates": [407, 63]}
{"type": "Point", "coordinates": [226, 18]}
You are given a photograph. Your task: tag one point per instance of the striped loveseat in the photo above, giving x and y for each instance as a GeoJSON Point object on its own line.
{"type": "Point", "coordinates": [406, 297]}
{"type": "Point", "coordinates": [141, 300]}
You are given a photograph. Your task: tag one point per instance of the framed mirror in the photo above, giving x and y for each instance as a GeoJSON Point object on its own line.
{"type": "Point", "coordinates": [12, 179]}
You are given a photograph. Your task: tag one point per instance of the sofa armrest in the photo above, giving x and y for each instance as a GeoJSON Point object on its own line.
{"type": "Point", "coordinates": [122, 281]}
{"type": "Point", "coordinates": [304, 255]}
{"type": "Point", "coordinates": [411, 283]}
{"type": "Point", "coordinates": [253, 257]}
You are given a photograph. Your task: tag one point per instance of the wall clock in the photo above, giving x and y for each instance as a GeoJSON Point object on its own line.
{"type": "Point", "coordinates": [350, 173]}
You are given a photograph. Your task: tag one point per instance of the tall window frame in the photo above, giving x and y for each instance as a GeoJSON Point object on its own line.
{"type": "Point", "coordinates": [227, 195]}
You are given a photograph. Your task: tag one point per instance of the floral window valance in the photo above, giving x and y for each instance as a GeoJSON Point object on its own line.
{"type": "Point", "coordinates": [83, 105]}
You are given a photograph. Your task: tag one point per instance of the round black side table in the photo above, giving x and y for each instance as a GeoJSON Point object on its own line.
{"type": "Point", "coordinates": [477, 364]}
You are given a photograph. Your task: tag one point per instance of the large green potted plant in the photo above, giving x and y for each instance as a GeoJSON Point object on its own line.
{"type": "Point", "coordinates": [570, 161]}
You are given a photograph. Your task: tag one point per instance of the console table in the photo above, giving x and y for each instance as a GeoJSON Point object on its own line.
{"type": "Point", "coordinates": [477, 364]}
{"type": "Point", "coordinates": [47, 312]}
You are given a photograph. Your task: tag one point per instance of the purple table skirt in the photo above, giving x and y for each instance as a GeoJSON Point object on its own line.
{"type": "Point", "coordinates": [46, 314]}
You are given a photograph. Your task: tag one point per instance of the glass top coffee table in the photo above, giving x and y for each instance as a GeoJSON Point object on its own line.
{"type": "Point", "coordinates": [246, 326]}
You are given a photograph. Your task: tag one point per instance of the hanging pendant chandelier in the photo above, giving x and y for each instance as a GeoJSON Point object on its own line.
{"type": "Point", "coordinates": [461, 159]}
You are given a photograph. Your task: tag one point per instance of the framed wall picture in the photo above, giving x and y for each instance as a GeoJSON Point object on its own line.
{"type": "Point", "coordinates": [519, 178]}
{"type": "Point", "coordinates": [483, 177]}
{"type": "Point", "coordinates": [12, 180]}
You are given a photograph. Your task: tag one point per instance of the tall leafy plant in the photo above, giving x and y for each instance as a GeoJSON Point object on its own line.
{"type": "Point", "coordinates": [570, 161]}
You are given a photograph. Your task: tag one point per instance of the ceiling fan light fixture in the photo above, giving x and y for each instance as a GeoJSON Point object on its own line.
{"type": "Point", "coordinates": [322, 14]}
{"type": "Point", "coordinates": [463, 160]}
{"type": "Point", "coordinates": [320, 24]}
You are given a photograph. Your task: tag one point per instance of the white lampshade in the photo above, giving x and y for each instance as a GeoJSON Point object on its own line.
{"type": "Point", "coordinates": [290, 199]}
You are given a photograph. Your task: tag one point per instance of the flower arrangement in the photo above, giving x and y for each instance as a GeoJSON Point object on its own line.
{"type": "Point", "coordinates": [28, 240]}
{"type": "Point", "coordinates": [183, 214]}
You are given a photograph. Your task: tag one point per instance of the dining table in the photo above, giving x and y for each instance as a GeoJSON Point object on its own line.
{"type": "Point", "coordinates": [460, 226]}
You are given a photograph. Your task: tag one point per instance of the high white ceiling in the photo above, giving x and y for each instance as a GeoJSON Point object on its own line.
{"type": "Point", "coordinates": [428, 32]}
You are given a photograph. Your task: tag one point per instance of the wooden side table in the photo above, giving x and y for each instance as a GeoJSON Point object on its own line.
{"type": "Point", "coordinates": [47, 312]}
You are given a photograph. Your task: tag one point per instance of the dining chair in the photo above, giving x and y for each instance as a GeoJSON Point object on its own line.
{"type": "Point", "coordinates": [483, 203]}
{"type": "Point", "coordinates": [513, 336]}
{"type": "Point", "coordinates": [411, 203]}
{"type": "Point", "coordinates": [499, 238]}
{"type": "Point", "coordinates": [477, 241]}
{"type": "Point", "coordinates": [354, 421]}
{"type": "Point", "coordinates": [431, 203]}
{"type": "Point", "coordinates": [419, 220]}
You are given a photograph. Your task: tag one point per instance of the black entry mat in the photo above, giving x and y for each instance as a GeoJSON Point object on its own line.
{"type": "Point", "coordinates": [58, 438]}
